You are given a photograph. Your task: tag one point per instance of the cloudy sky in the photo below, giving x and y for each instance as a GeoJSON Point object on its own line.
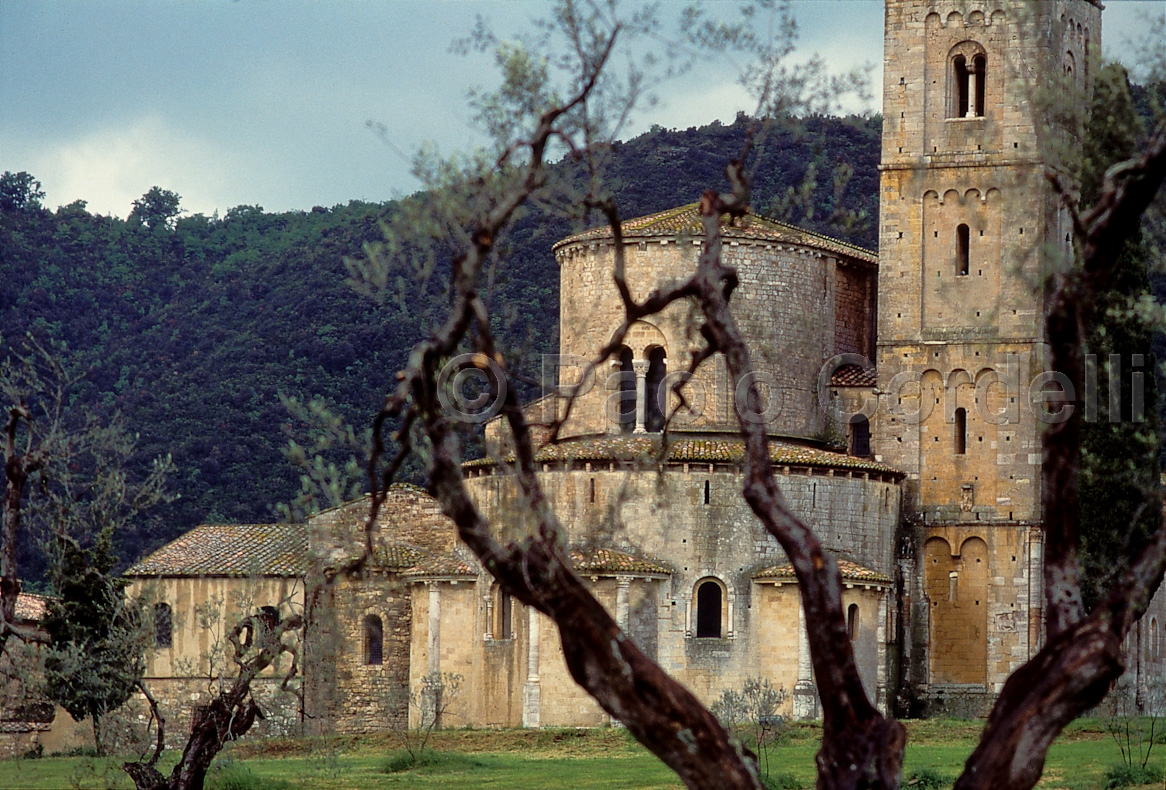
{"type": "Point", "coordinates": [262, 102]}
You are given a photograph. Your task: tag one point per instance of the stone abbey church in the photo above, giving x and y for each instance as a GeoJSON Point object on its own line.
{"type": "Point", "coordinates": [933, 510]}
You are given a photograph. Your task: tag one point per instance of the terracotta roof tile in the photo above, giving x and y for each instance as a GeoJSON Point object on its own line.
{"type": "Point", "coordinates": [685, 221]}
{"type": "Point", "coordinates": [31, 608]}
{"type": "Point", "coordinates": [853, 376]}
{"type": "Point", "coordinates": [231, 550]}
{"type": "Point", "coordinates": [609, 560]}
{"type": "Point", "coordinates": [729, 449]}
{"type": "Point", "coordinates": [851, 571]}
{"type": "Point", "coordinates": [443, 565]}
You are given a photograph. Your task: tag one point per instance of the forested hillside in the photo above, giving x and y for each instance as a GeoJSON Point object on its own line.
{"type": "Point", "coordinates": [192, 326]}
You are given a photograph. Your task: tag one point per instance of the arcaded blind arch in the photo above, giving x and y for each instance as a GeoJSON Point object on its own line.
{"type": "Point", "coordinates": [956, 586]}
{"type": "Point", "coordinates": [163, 625]}
{"type": "Point", "coordinates": [374, 640]}
{"type": "Point", "coordinates": [709, 607]}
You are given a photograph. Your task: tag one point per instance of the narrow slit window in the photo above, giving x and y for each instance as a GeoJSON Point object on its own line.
{"type": "Point", "coordinates": [505, 623]}
{"type": "Point", "coordinates": [627, 392]}
{"type": "Point", "coordinates": [163, 625]}
{"type": "Point", "coordinates": [852, 621]}
{"type": "Point", "coordinates": [979, 79]}
{"type": "Point", "coordinates": [860, 438]}
{"type": "Point", "coordinates": [963, 256]}
{"type": "Point", "coordinates": [961, 431]}
{"type": "Point", "coordinates": [655, 395]}
{"type": "Point", "coordinates": [707, 491]}
{"type": "Point", "coordinates": [374, 640]}
{"type": "Point", "coordinates": [960, 77]}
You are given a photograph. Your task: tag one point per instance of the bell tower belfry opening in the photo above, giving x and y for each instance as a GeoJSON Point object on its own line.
{"type": "Point", "coordinates": [966, 220]}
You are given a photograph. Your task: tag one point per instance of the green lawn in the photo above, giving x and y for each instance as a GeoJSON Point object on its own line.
{"type": "Point", "coordinates": [545, 760]}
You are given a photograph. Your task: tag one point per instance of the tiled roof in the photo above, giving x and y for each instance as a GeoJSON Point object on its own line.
{"type": "Point", "coordinates": [685, 221]}
{"type": "Point", "coordinates": [609, 560]}
{"type": "Point", "coordinates": [231, 550]}
{"type": "Point", "coordinates": [730, 449]}
{"type": "Point", "coordinates": [851, 571]}
{"type": "Point", "coordinates": [442, 565]}
{"type": "Point", "coordinates": [31, 608]}
{"type": "Point", "coordinates": [853, 376]}
{"type": "Point", "coordinates": [396, 556]}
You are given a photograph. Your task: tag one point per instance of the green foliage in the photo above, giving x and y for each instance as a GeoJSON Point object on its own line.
{"type": "Point", "coordinates": [430, 761]}
{"type": "Point", "coordinates": [751, 717]}
{"type": "Point", "coordinates": [233, 775]}
{"type": "Point", "coordinates": [97, 638]}
{"type": "Point", "coordinates": [781, 781]}
{"type": "Point", "coordinates": [158, 208]}
{"type": "Point", "coordinates": [1120, 468]}
{"type": "Point", "coordinates": [928, 779]}
{"type": "Point", "coordinates": [19, 192]}
{"type": "Point", "coordinates": [1131, 776]}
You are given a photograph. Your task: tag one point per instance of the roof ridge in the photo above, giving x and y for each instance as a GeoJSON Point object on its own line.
{"type": "Point", "coordinates": [647, 222]}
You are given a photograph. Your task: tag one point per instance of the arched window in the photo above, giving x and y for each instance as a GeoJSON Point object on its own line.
{"type": "Point", "coordinates": [969, 78]}
{"type": "Point", "coordinates": [627, 391]}
{"type": "Point", "coordinates": [655, 399]}
{"type": "Point", "coordinates": [374, 640]}
{"type": "Point", "coordinates": [860, 437]}
{"type": "Point", "coordinates": [961, 431]}
{"type": "Point", "coordinates": [708, 610]}
{"type": "Point", "coordinates": [852, 621]}
{"type": "Point", "coordinates": [963, 251]}
{"type": "Point", "coordinates": [163, 625]}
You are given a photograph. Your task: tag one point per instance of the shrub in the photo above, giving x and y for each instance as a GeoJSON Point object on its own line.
{"type": "Point", "coordinates": [428, 760]}
{"type": "Point", "coordinates": [780, 782]}
{"type": "Point", "coordinates": [928, 779]}
{"type": "Point", "coordinates": [1131, 776]}
{"type": "Point", "coordinates": [239, 777]}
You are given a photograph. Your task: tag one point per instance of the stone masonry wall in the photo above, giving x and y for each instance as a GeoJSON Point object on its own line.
{"type": "Point", "coordinates": [785, 308]}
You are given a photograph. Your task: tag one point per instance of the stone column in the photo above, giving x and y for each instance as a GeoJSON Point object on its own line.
{"type": "Point", "coordinates": [1036, 589]}
{"type": "Point", "coordinates": [640, 366]}
{"type": "Point", "coordinates": [805, 695]}
{"type": "Point", "coordinates": [881, 637]}
{"type": "Point", "coordinates": [623, 585]}
{"type": "Point", "coordinates": [488, 599]}
{"type": "Point", "coordinates": [434, 628]}
{"type": "Point", "coordinates": [434, 666]}
{"type": "Point", "coordinates": [971, 92]}
{"type": "Point", "coordinates": [531, 695]}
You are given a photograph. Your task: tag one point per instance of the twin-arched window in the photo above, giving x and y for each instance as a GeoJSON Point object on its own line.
{"type": "Point", "coordinates": [969, 77]}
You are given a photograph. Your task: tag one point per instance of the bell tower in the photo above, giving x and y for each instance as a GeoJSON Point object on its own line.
{"type": "Point", "coordinates": [968, 222]}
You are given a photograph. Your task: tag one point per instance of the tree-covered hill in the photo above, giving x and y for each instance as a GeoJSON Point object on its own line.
{"type": "Point", "coordinates": [192, 326]}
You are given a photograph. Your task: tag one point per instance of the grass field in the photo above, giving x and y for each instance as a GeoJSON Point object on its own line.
{"type": "Point", "coordinates": [543, 760]}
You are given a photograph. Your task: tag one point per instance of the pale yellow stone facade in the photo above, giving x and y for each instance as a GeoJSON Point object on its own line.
{"type": "Point", "coordinates": [933, 508]}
